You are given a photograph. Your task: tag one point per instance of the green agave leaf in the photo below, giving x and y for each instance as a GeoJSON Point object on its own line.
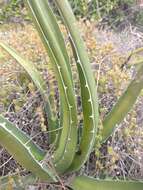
{"type": "Point", "coordinates": [124, 104]}
{"type": "Point", "coordinates": [19, 182]}
{"type": "Point", "coordinates": [38, 81]}
{"type": "Point", "coordinates": [136, 51]}
{"type": "Point", "coordinates": [45, 22]}
{"type": "Point", "coordinates": [88, 183]}
{"type": "Point", "coordinates": [53, 24]}
{"type": "Point", "coordinates": [88, 86]}
{"type": "Point", "coordinates": [19, 145]}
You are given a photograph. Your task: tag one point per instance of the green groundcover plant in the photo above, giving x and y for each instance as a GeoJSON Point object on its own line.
{"type": "Point", "coordinates": [71, 151]}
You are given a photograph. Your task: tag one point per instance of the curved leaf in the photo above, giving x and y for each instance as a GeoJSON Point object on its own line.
{"type": "Point", "coordinates": [88, 86]}
{"type": "Point", "coordinates": [38, 81]}
{"type": "Point", "coordinates": [44, 19]}
{"type": "Point", "coordinates": [19, 145]}
{"type": "Point", "coordinates": [88, 183]}
{"type": "Point", "coordinates": [124, 104]}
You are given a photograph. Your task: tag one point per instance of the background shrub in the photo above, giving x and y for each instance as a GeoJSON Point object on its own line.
{"type": "Point", "coordinates": [114, 13]}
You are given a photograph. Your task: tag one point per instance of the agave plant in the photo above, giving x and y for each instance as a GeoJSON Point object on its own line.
{"type": "Point", "coordinates": [71, 152]}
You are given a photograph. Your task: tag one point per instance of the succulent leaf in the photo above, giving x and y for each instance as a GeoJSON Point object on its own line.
{"type": "Point", "coordinates": [88, 183]}
{"type": "Point", "coordinates": [123, 105]}
{"type": "Point", "coordinates": [20, 146]}
{"type": "Point", "coordinates": [87, 83]}
{"type": "Point", "coordinates": [43, 19]}
{"type": "Point", "coordinates": [38, 81]}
